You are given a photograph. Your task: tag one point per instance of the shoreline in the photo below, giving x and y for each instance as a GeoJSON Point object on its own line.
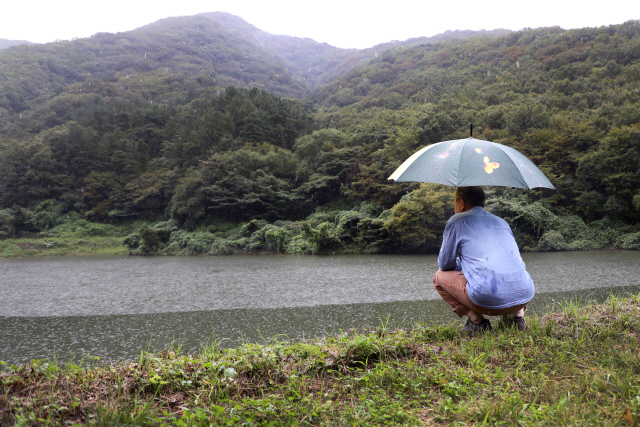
{"type": "Point", "coordinates": [579, 365]}
{"type": "Point", "coordinates": [112, 245]}
{"type": "Point", "coordinates": [356, 231]}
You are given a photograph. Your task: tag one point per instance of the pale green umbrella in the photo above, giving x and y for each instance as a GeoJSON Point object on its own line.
{"type": "Point", "coordinates": [468, 162]}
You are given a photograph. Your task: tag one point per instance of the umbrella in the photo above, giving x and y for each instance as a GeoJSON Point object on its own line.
{"type": "Point", "coordinates": [468, 162]}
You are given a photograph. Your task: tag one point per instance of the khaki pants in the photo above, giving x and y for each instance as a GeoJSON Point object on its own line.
{"type": "Point", "coordinates": [452, 287]}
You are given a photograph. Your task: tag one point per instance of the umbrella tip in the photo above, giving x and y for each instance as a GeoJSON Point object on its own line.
{"type": "Point", "coordinates": [471, 131]}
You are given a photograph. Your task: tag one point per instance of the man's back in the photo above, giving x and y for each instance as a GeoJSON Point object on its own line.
{"type": "Point", "coordinates": [489, 259]}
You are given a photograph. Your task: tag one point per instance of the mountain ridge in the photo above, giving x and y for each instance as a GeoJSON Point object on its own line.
{"type": "Point", "coordinates": [323, 62]}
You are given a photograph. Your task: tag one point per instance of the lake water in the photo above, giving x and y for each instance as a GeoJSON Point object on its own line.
{"type": "Point", "coordinates": [113, 307]}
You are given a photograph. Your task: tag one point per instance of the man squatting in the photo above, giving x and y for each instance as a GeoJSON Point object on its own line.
{"type": "Point", "coordinates": [481, 271]}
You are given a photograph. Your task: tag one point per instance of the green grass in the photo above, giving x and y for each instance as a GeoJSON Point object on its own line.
{"type": "Point", "coordinates": [73, 237]}
{"type": "Point", "coordinates": [578, 366]}
{"type": "Point", "coordinates": [53, 246]}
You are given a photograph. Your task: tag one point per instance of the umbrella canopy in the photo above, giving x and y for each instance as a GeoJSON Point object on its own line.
{"type": "Point", "coordinates": [469, 162]}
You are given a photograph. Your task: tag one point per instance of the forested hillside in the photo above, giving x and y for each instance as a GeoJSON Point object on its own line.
{"type": "Point", "coordinates": [179, 133]}
{"type": "Point", "coordinates": [214, 49]}
{"type": "Point", "coordinates": [197, 48]}
{"type": "Point", "coordinates": [569, 100]}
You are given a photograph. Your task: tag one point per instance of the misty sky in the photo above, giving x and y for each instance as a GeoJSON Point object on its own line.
{"type": "Point", "coordinates": [348, 24]}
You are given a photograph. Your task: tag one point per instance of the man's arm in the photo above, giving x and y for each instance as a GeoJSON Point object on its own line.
{"type": "Point", "coordinates": [449, 250]}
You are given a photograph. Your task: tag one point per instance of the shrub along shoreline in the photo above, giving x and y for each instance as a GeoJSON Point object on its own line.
{"type": "Point", "coordinates": [577, 366]}
{"type": "Point", "coordinates": [414, 225]}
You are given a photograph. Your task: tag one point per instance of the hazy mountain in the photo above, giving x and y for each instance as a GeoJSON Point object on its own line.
{"type": "Point", "coordinates": [319, 63]}
{"type": "Point", "coordinates": [307, 58]}
{"type": "Point", "coordinates": [4, 43]}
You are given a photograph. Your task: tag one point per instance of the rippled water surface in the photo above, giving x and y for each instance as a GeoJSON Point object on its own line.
{"type": "Point", "coordinates": [113, 307]}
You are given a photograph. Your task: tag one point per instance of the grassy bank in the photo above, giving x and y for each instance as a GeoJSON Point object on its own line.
{"type": "Point", "coordinates": [73, 236]}
{"type": "Point", "coordinates": [33, 247]}
{"type": "Point", "coordinates": [579, 366]}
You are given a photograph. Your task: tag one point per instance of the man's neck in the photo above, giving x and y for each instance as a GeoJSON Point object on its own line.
{"type": "Point", "coordinates": [467, 210]}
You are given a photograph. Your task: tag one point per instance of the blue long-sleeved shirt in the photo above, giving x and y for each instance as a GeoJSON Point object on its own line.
{"type": "Point", "coordinates": [482, 246]}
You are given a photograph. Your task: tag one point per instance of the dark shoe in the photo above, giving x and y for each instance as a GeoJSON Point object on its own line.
{"type": "Point", "coordinates": [522, 325]}
{"type": "Point", "coordinates": [510, 321]}
{"type": "Point", "coordinates": [474, 328]}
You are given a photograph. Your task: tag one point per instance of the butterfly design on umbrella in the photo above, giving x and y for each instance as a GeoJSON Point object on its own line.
{"type": "Point", "coordinates": [490, 166]}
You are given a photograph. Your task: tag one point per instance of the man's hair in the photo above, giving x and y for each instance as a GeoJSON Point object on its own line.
{"type": "Point", "coordinates": [472, 196]}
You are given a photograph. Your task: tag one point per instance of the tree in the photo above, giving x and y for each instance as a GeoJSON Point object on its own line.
{"type": "Point", "coordinates": [418, 220]}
